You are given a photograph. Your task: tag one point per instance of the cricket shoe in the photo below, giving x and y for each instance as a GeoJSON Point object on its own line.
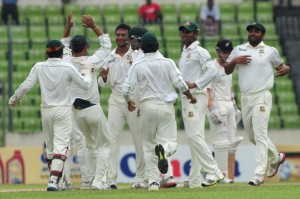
{"type": "Point", "coordinates": [256, 181]}
{"type": "Point", "coordinates": [211, 182]}
{"type": "Point", "coordinates": [162, 161]}
{"type": "Point", "coordinates": [168, 183]}
{"type": "Point", "coordinates": [86, 186]}
{"type": "Point", "coordinates": [273, 168]}
{"type": "Point", "coordinates": [154, 186]}
{"type": "Point", "coordinates": [102, 186]}
{"type": "Point", "coordinates": [226, 180]}
{"type": "Point", "coordinates": [113, 186]}
{"type": "Point", "coordinates": [139, 185]}
{"type": "Point", "coordinates": [183, 184]}
{"type": "Point", "coordinates": [52, 186]}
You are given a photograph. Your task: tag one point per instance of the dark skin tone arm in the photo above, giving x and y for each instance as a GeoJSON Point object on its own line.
{"type": "Point", "coordinates": [229, 67]}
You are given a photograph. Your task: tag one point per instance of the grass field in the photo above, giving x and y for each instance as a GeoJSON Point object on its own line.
{"type": "Point", "coordinates": [270, 190]}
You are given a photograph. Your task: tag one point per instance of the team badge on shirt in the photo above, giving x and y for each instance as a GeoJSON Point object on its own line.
{"type": "Point", "coordinates": [188, 56]}
{"type": "Point", "coordinates": [261, 52]}
{"type": "Point", "coordinates": [191, 114]}
{"type": "Point", "coordinates": [262, 109]}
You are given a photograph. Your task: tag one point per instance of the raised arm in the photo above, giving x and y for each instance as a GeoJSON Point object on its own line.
{"type": "Point", "coordinates": [88, 22]}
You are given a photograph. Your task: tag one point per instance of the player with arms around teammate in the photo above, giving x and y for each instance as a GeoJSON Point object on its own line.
{"type": "Point", "coordinates": [154, 76]}
{"type": "Point", "coordinates": [197, 69]}
{"type": "Point", "coordinates": [223, 115]}
{"type": "Point", "coordinates": [88, 115]}
{"type": "Point", "coordinates": [55, 78]}
{"type": "Point", "coordinates": [255, 62]}
{"type": "Point", "coordinates": [118, 64]}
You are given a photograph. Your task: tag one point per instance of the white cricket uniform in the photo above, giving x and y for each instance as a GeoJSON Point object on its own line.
{"type": "Point", "coordinates": [118, 114]}
{"type": "Point", "coordinates": [255, 80]}
{"type": "Point", "coordinates": [196, 66]}
{"type": "Point", "coordinates": [91, 121]}
{"type": "Point", "coordinates": [154, 75]}
{"type": "Point", "coordinates": [55, 78]}
{"type": "Point", "coordinates": [223, 134]}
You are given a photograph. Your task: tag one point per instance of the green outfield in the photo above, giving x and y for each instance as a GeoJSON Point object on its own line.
{"type": "Point", "coordinates": [272, 190]}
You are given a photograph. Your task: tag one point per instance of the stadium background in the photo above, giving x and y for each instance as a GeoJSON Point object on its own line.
{"type": "Point", "coordinates": [21, 46]}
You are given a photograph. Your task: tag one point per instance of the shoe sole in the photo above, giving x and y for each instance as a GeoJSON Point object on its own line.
{"type": "Point", "coordinates": [282, 161]}
{"type": "Point", "coordinates": [253, 184]}
{"type": "Point", "coordinates": [52, 189]}
{"type": "Point", "coordinates": [162, 161]}
{"type": "Point", "coordinates": [169, 185]}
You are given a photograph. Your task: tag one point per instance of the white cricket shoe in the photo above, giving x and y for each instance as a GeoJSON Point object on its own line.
{"type": "Point", "coordinates": [154, 186]}
{"type": "Point", "coordinates": [256, 180]}
{"type": "Point", "coordinates": [273, 168]}
{"type": "Point", "coordinates": [102, 186]}
{"type": "Point", "coordinates": [52, 186]}
{"type": "Point", "coordinates": [168, 183]}
{"type": "Point", "coordinates": [139, 185]}
{"type": "Point", "coordinates": [85, 185]}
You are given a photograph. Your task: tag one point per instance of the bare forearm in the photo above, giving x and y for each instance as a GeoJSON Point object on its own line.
{"type": "Point", "coordinates": [229, 67]}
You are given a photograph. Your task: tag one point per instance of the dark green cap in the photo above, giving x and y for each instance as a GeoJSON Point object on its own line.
{"type": "Point", "coordinates": [190, 26]}
{"type": "Point", "coordinates": [149, 42]}
{"type": "Point", "coordinates": [53, 46]}
{"type": "Point", "coordinates": [256, 25]}
{"type": "Point", "coordinates": [137, 31]}
{"type": "Point", "coordinates": [78, 42]}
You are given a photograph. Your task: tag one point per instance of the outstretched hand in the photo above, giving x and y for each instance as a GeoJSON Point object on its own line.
{"type": "Point", "coordinates": [88, 22]}
{"type": "Point", "coordinates": [70, 22]}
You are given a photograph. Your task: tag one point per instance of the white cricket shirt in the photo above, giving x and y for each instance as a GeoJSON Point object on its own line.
{"type": "Point", "coordinates": [221, 87]}
{"type": "Point", "coordinates": [55, 78]}
{"type": "Point", "coordinates": [258, 75]}
{"type": "Point", "coordinates": [196, 66]}
{"type": "Point", "coordinates": [155, 76]}
{"type": "Point", "coordinates": [94, 62]}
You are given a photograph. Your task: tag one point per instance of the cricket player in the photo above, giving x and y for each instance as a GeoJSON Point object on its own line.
{"type": "Point", "coordinates": [255, 62]}
{"type": "Point", "coordinates": [88, 115]}
{"type": "Point", "coordinates": [135, 34]}
{"type": "Point", "coordinates": [223, 114]}
{"type": "Point", "coordinates": [197, 69]}
{"type": "Point", "coordinates": [118, 64]}
{"type": "Point", "coordinates": [55, 78]}
{"type": "Point", "coordinates": [154, 76]}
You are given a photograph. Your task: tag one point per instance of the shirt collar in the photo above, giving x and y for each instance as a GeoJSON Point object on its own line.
{"type": "Point", "coordinates": [261, 44]}
{"type": "Point", "coordinates": [192, 45]}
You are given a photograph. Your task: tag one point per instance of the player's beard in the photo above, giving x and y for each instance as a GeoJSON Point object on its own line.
{"type": "Point", "coordinates": [254, 41]}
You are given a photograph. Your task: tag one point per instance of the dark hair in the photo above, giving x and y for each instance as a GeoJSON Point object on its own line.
{"type": "Point", "coordinates": [122, 26]}
{"type": "Point", "coordinates": [55, 54]}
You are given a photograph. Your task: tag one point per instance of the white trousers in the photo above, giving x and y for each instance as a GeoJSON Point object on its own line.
{"type": "Point", "coordinates": [158, 127]}
{"type": "Point", "coordinates": [78, 142]}
{"type": "Point", "coordinates": [118, 114]}
{"type": "Point", "coordinates": [57, 126]}
{"type": "Point", "coordinates": [93, 123]}
{"type": "Point", "coordinates": [201, 156]}
{"type": "Point", "coordinates": [256, 110]}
